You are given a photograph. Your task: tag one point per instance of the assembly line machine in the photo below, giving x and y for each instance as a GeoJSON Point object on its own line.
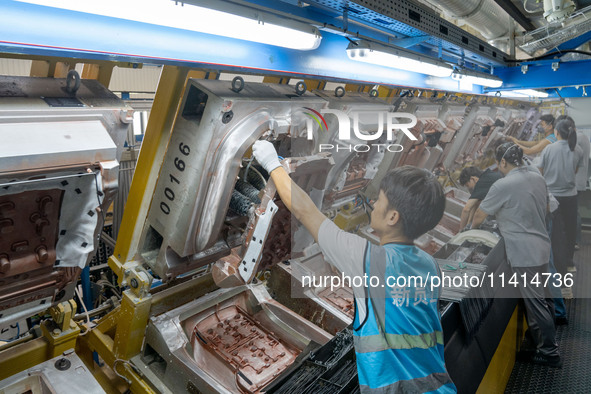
{"type": "Point", "coordinates": [208, 295]}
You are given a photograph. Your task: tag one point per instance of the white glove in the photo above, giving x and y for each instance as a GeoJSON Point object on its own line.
{"type": "Point", "coordinates": [266, 155]}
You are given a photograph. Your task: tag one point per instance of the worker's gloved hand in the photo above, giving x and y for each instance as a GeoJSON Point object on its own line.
{"type": "Point", "coordinates": [266, 155]}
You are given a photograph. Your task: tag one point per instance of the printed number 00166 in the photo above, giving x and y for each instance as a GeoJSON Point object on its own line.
{"type": "Point", "coordinates": [169, 191]}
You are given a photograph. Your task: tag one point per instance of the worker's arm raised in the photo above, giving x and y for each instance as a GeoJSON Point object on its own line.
{"type": "Point", "coordinates": [527, 144]}
{"type": "Point", "coordinates": [294, 198]}
{"type": "Point", "coordinates": [298, 202]}
{"type": "Point", "coordinates": [343, 250]}
{"type": "Point", "coordinates": [534, 150]}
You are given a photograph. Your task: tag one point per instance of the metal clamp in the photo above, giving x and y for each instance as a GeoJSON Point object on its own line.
{"type": "Point", "coordinates": [63, 313]}
{"type": "Point", "coordinates": [138, 279]}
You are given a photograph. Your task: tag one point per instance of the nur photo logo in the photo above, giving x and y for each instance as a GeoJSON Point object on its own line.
{"type": "Point", "coordinates": [388, 122]}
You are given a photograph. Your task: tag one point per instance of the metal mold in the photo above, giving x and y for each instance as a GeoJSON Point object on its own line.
{"type": "Point", "coordinates": [188, 212]}
{"type": "Point", "coordinates": [63, 374]}
{"type": "Point", "coordinates": [53, 156]}
{"type": "Point", "coordinates": [455, 201]}
{"type": "Point", "coordinates": [341, 298]}
{"type": "Point", "coordinates": [352, 170]}
{"type": "Point", "coordinates": [428, 243]}
{"type": "Point", "coordinates": [257, 252]}
{"type": "Point", "coordinates": [210, 342]}
{"type": "Point", "coordinates": [447, 228]}
{"type": "Point", "coordinates": [320, 310]}
{"type": "Point", "coordinates": [254, 352]}
{"type": "Point", "coordinates": [29, 230]}
{"type": "Point", "coordinates": [338, 300]}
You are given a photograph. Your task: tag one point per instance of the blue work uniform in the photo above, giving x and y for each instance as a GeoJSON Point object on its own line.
{"type": "Point", "coordinates": [397, 329]}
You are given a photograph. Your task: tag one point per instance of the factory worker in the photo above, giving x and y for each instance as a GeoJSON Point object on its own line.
{"type": "Point", "coordinates": [478, 183]}
{"type": "Point", "coordinates": [559, 164]}
{"type": "Point", "coordinates": [520, 201]}
{"type": "Point", "coordinates": [397, 329]}
{"type": "Point", "coordinates": [582, 175]}
{"type": "Point", "coordinates": [534, 147]}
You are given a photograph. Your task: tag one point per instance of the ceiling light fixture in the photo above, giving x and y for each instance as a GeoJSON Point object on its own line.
{"type": "Point", "coordinates": [382, 55]}
{"type": "Point", "coordinates": [205, 16]}
{"type": "Point", "coordinates": [477, 78]}
{"type": "Point", "coordinates": [531, 93]}
{"type": "Point", "coordinates": [523, 93]}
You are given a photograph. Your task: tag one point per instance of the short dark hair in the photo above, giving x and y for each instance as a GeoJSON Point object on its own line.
{"type": "Point", "coordinates": [417, 195]}
{"type": "Point", "coordinates": [549, 119]}
{"type": "Point", "coordinates": [468, 173]}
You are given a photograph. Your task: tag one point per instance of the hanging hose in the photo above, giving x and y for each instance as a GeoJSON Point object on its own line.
{"type": "Point", "coordinates": [239, 203]}
{"type": "Point", "coordinates": [255, 178]}
{"type": "Point", "coordinates": [248, 190]}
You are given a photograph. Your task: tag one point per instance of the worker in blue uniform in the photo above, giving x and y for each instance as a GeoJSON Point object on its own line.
{"type": "Point", "coordinates": [531, 148]}
{"type": "Point", "coordinates": [397, 329]}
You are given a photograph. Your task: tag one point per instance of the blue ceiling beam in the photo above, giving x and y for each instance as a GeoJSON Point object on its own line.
{"type": "Point", "coordinates": [571, 92]}
{"type": "Point", "coordinates": [575, 42]}
{"type": "Point", "coordinates": [540, 75]}
{"type": "Point", "coordinates": [30, 29]}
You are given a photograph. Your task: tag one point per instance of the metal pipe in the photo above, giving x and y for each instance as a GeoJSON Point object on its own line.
{"type": "Point", "coordinates": [486, 16]}
{"type": "Point", "coordinates": [10, 344]}
{"type": "Point", "coordinates": [103, 308]}
{"type": "Point", "coordinates": [86, 290]}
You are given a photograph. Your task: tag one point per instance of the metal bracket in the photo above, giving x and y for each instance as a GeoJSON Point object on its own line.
{"type": "Point", "coordinates": [408, 42]}
{"type": "Point", "coordinates": [253, 254]}
{"type": "Point", "coordinates": [137, 278]}
{"type": "Point", "coordinates": [62, 314]}
{"type": "Point", "coordinates": [256, 235]}
{"type": "Point", "coordinates": [555, 66]}
{"type": "Point", "coordinates": [524, 68]}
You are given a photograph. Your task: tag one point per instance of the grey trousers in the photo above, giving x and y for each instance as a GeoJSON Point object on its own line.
{"type": "Point", "coordinates": [539, 310]}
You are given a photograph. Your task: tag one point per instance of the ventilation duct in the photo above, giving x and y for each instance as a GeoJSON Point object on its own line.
{"type": "Point", "coordinates": [486, 16]}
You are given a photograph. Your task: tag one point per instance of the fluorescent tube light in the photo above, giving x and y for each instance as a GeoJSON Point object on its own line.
{"type": "Point", "coordinates": [397, 58]}
{"type": "Point", "coordinates": [531, 93]}
{"type": "Point", "coordinates": [207, 16]}
{"type": "Point", "coordinates": [507, 93]}
{"type": "Point", "coordinates": [477, 78]}
{"type": "Point", "coordinates": [521, 93]}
